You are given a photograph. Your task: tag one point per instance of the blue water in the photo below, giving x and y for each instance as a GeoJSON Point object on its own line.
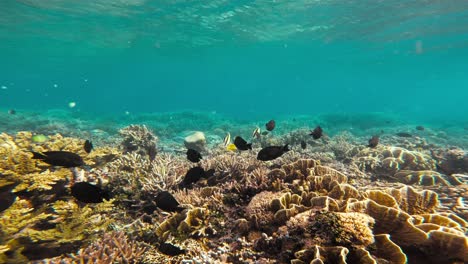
{"type": "Point", "coordinates": [241, 58]}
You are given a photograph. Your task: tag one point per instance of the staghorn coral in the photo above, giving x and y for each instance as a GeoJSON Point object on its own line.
{"type": "Point", "coordinates": [139, 139]}
{"type": "Point", "coordinates": [133, 171]}
{"type": "Point", "coordinates": [343, 147]}
{"type": "Point", "coordinates": [114, 247]}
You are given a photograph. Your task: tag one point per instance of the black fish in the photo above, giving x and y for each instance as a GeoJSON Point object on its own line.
{"type": "Point", "coordinates": [264, 133]}
{"type": "Point", "coordinates": [59, 158]}
{"type": "Point", "coordinates": [272, 152]}
{"type": "Point", "coordinates": [192, 176]}
{"type": "Point", "coordinates": [403, 134]}
{"type": "Point", "coordinates": [303, 144]}
{"type": "Point", "coordinates": [88, 146]}
{"type": "Point", "coordinates": [170, 250]}
{"type": "Point", "coordinates": [373, 142]}
{"type": "Point", "coordinates": [12, 111]}
{"type": "Point", "coordinates": [152, 152]}
{"type": "Point", "coordinates": [270, 125]}
{"type": "Point", "coordinates": [88, 193]}
{"type": "Point", "coordinates": [166, 202]}
{"type": "Point", "coordinates": [420, 128]}
{"type": "Point", "coordinates": [195, 174]}
{"type": "Point", "coordinates": [316, 133]}
{"type": "Point", "coordinates": [241, 144]}
{"type": "Point", "coordinates": [193, 155]}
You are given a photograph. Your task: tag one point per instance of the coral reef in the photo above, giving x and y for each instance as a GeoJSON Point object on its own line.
{"type": "Point", "coordinates": [395, 203]}
{"type": "Point", "coordinates": [139, 139]}
{"type": "Point", "coordinates": [452, 160]}
{"type": "Point", "coordinates": [387, 161]}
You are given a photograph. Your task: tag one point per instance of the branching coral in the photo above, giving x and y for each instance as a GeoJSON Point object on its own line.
{"type": "Point", "coordinates": [135, 172]}
{"type": "Point", "coordinates": [25, 230]}
{"type": "Point", "coordinates": [139, 139]}
{"type": "Point", "coordinates": [114, 247]}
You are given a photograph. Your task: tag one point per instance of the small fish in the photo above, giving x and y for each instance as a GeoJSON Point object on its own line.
{"type": "Point", "coordinates": [270, 125]}
{"type": "Point", "coordinates": [420, 128]}
{"type": "Point", "coordinates": [373, 142]}
{"type": "Point", "coordinates": [88, 193]}
{"type": "Point", "coordinates": [272, 152]}
{"type": "Point", "coordinates": [303, 144]}
{"type": "Point", "coordinates": [41, 138]}
{"type": "Point", "coordinates": [193, 155]}
{"type": "Point", "coordinates": [195, 174]}
{"type": "Point", "coordinates": [231, 147]}
{"type": "Point", "coordinates": [256, 133]}
{"type": "Point", "coordinates": [166, 202]}
{"type": "Point", "coordinates": [317, 132]}
{"type": "Point", "coordinates": [88, 146]}
{"type": "Point", "coordinates": [403, 134]}
{"type": "Point", "coordinates": [12, 112]}
{"type": "Point", "coordinates": [59, 158]}
{"type": "Point", "coordinates": [170, 250]}
{"type": "Point", "coordinates": [264, 133]}
{"type": "Point", "coordinates": [227, 139]}
{"type": "Point", "coordinates": [241, 144]}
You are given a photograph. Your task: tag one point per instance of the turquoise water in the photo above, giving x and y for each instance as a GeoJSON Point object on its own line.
{"type": "Point", "coordinates": [240, 58]}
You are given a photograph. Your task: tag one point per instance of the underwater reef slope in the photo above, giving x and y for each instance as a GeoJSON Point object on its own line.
{"type": "Point", "coordinates": [335, 201]}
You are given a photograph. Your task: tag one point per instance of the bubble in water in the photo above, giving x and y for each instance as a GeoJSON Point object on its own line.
{"type": "Point", "coordinates": [71, 104]}
{"type": "Point", "coordinates": [4, 87]}
{"type": "Point", "coordinates": [55, 85]}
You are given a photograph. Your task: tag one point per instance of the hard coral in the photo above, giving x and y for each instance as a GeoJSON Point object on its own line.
{"type": "Point", "coordinates": [344, 229]}
{"type": "Point", "coordinates": [139, 139]}
{"type": "Point", "coordinates": [192, 222]}
{"type": "Point", "coordinates": [114, 247]}
{"type": "Point", "coordinates": [387, 161]}
{"type": "Point", "coordinates": [453, 161]}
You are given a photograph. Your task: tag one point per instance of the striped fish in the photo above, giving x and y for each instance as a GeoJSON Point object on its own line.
{"type": "Point", "coordinates": [227, 139]}
{"type": "Point", "coordinates": [256, 133]}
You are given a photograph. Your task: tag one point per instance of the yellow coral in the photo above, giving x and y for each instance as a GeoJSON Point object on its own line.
{"type": "Point", "coordinates": [42, 181]}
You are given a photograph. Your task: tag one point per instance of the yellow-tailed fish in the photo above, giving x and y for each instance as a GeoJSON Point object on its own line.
{"type": "Point", "coordinates": [231, 147]}
{"type": "Point", "coordinates": [227, 139]}
{"type": "Point", "coordinates": [256, 133]}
